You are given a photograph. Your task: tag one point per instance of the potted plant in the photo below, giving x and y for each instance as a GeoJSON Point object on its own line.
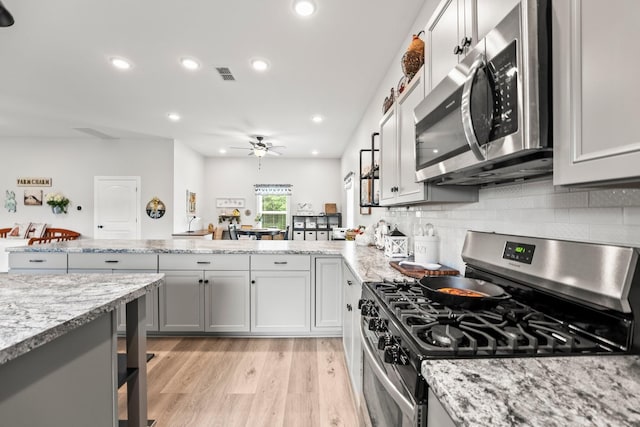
{"type": "Point", "coordinates": [58, 202]}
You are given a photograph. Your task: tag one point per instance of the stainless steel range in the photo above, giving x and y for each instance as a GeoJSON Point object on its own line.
{"type": "Point", "coordinates": [520, 297]}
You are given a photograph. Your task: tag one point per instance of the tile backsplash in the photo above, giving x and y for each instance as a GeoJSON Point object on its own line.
{"type": "Point", "coordinates": [533, 209]}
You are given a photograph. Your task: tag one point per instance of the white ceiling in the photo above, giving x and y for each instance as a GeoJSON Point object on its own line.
{"type": "Point", "coordinates": [55, 75]}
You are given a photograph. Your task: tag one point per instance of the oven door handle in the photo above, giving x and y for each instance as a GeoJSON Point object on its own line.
{"type": "Point", "coordinates": [465, 109]}
{"type": "Point", "coordinates": [405, 405]}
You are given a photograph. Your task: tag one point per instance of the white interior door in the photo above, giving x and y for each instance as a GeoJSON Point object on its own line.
{"type": "Point", "coordinates": [116, 207]}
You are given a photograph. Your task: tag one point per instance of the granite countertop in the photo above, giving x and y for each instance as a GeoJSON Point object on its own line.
{"type": "Point", "coordinates": [367, 262]}
{"type": "Point", "coordinates": [35, 310]}
{"type": "Point", "coordinates": [538, 391]}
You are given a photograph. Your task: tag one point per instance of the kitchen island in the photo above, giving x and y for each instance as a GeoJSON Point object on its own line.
{"type": "Point", "coordinates": [58, 364]}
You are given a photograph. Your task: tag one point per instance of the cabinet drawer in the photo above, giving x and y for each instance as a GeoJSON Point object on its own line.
{"type": "Point", "coordinates": [203, 262]}
{"type": "Point", "coordinates": [280, 262]}
{"type": "Point", "coordinates": [37, 260]}
{"type": "Point", "coordinates": [114, 261]}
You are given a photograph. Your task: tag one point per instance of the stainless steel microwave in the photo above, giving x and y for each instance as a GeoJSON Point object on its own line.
{"type": "Point", "coordinates": [489, 120]}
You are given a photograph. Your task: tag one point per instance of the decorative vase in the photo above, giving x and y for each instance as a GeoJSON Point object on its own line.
{"type": "Point", "coordinates": [56, 210]}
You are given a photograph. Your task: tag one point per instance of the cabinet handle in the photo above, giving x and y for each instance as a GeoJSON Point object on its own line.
{"type": "Point", "coordinates": [253, 282]}
{"type": "Point", "coordinates": [466, 41]}
{"type": "Point", "coordinates": [203, 262]}
{"type": "Point", "coordinates": [206, 281]}
{"type": "Point", "coordinates": [280, 262]}
{"type": "Point", "coordinates": [349, 282]}
{"type": "Point", "coordinates": [36, 260]}
{"type": "Point", "coordinates": [349, 307]}
{"type": "Point", "coordinates": [112, 261]}
{"type": "Point", "coordinates": [458, 50]}
{"type": "Point", "coordinates": [200, 281]}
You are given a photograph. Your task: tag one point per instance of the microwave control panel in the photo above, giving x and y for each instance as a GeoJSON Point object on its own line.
{"type": "Point", "coordinates": [503, 71]}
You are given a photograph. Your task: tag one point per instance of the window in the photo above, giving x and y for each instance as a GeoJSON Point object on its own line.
{"type": "Point", "coordinates": [273, 202]}
{"type": "Point", "coordinates": [274, 210]}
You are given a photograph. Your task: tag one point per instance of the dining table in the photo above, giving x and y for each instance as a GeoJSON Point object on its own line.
{"type": "Point", "coordinates": [259, 232]}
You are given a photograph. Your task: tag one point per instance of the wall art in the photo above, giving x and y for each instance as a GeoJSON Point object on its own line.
{"type": "Point", "coordinates": [230, 202]}
{"type": "Point", "coordinates": [191, 203]}
{"type": "Point", "coordinates": [33, 197]}
{"type": "Point", "coordinates": [156, 208]}
{"type": "Point", "coordinates": [10, 201]}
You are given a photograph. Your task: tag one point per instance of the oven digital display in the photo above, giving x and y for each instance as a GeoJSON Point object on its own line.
{"type": "Point", "coordinates": [520, 252]}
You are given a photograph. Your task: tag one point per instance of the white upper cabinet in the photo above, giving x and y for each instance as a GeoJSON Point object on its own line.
{"type": "Point", "coordinates": [595, 99]}
{"type": "Point", "coordinates": [455, 28]}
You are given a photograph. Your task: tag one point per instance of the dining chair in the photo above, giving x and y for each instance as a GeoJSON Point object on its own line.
{"type": "Point", "coordinates": [232, 232]}
{"type": "Point", "coordinates": [286, 233]}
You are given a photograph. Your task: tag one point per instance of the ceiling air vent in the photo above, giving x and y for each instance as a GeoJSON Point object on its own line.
{"type": "Point", "coordinates": [225, 73]}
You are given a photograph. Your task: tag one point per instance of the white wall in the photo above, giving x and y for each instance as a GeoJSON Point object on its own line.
{"type": "Point", "coordinates": [72, 164]}
{"type": "Point", "coordinates": [534, 208]}
{"type": "Point", "coordinates": [188, 175]}
{"type": "Point", "coordinates": [317, 181]}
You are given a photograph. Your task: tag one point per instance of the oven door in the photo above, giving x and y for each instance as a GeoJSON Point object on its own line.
{"type": "Point", "coordinates": [388, 401]}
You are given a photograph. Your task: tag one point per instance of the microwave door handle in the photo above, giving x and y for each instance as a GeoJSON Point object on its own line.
{"type": "Point", "coordinates": [465, 109]}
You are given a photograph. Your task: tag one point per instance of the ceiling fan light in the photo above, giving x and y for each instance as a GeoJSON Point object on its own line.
{"type": "Point", "coordinates": [259, 152]}
{"type": "Point", "coordinates": [6, 20]}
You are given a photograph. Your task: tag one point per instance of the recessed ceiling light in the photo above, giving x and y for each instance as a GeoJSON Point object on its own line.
{"type": "Point", "coordinates": [174, 117]}
{"type": "Point", "coordinates": [120, 63]}
{"type": "Point", "coordinates": [190, 63]}
{"type": "Point", "coordinates": [259, 64]}
{"type": "Point", "coordinates": [222, 151]}
{"type": "Point", "coordinates": [314, 152]}
{"type": "Point", "coordinates": [317, 118]}
{"type": "Point", "coordinates": [304, 7]}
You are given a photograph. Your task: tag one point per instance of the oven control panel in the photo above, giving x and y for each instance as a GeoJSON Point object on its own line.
{"type": "Point", "coordinates": [520, 252]}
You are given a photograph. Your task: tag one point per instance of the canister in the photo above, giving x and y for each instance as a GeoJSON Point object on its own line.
{"type": "Point", "coordinates": [426, 249]}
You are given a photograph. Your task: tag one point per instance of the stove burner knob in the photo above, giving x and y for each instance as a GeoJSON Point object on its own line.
{"type": "Point", "coordinates": [378, 325]}
{"type": "Point", "coordinates": [362, 302]}
{"type": "Point", "coordinates": [384, 341]}
{"type": "Point", "coordinates": [366, 307]}
{"type": "Point", "coordinates": [393, 354]}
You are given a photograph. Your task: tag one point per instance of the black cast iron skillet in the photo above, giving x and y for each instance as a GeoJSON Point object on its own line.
{"type": "Point", "coordinates": [491, 294]}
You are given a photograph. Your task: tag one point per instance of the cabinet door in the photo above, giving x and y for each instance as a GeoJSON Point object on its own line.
{"type": "Point", "coordinates": [442, 38]}
{"type": "Point", "coordinates": [151, 305]}
{"type": "Point", "coordinates": [408, 189]}
{"type": "Point", "coordinates": [181, 306]}
{"type": "Point", "coordinates": [388, 160]}
{"type": "Point", "coordinates": [328, 293]}
{"type": "Point", "coordinates": [595, 100]}
{"type": "Point", "coordinates": [351, 330]}
{"type": "Point", "coordinates": [489, 13]}
{"type": "Point", "coordinates": [280, 301]}
{"type": "Point", "coordinates": [226, 304]}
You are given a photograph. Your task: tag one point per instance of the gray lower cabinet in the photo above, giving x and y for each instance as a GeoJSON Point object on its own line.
{"type": "Point", "coordinates": [83, 263]}
{"type": "Point", "coordinates": [227, 301]}
{"type": "Point", "coordinates": [280, 293]}
{"type": "Point", "coordinates": [204, 293]}
{"type": "Point", "coordinates": [37, 263]}
{"type": "Point", "coordinates": [352, 288]}
{"type": "Point", "coordinates": [327, 294]}
{"type": "Point", "coordinates": [437, 416]}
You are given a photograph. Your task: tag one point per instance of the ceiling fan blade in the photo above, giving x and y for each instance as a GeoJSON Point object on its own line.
{"type": "Point", "coordinates": [241, 148]}
{"type": "Point", "coordinates": [273, 153]}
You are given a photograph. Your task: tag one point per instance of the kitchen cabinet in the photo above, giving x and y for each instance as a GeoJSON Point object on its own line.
{"type": "Point", "coordinates": [398, 184]}
{"type": "Point", "coordinates": [204, 293]}
{"type": "Point", "coordinates": [327, 294]}
{"type": "Point", "coordinates": [280, 293]}
{"type": "Point", "coordinates": [455, 27]}
{"type": "Point", "coordinates": [314, 227]}
{"type": "Point", "coordinates": [595, 100]}
{"type": "Point", "coordinates": [37, 263]}
{"type": "Point", "coordinates": [352, 289]}
{"type": "Point", "coordinates": [437, 416]}
{"type": "Point", "coordinates": [397, 153]}
{"type": "Point", "coordinates": [83, 263]}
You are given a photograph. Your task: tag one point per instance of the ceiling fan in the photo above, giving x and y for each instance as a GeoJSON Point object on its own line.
{"type": "Point", "coordinates": [260, 148]}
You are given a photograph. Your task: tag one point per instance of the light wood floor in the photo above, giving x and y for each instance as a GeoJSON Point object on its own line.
{"type": "Point", "coordinates": [226, 382]}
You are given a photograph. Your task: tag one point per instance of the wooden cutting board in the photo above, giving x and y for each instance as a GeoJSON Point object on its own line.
{"type": "Point", "coordinates": [419, 272]}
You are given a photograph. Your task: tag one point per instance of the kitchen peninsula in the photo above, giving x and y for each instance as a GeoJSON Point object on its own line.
{"type": "Point", "coordinates": [58, 364]}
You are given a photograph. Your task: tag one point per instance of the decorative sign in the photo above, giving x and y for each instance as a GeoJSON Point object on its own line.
{"type": "Point", "coordinates": [156, 208]}
{"type": "Point", "coordinates": [34, 182]}
{"type": "Point", "coordinates": [230, 202]}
